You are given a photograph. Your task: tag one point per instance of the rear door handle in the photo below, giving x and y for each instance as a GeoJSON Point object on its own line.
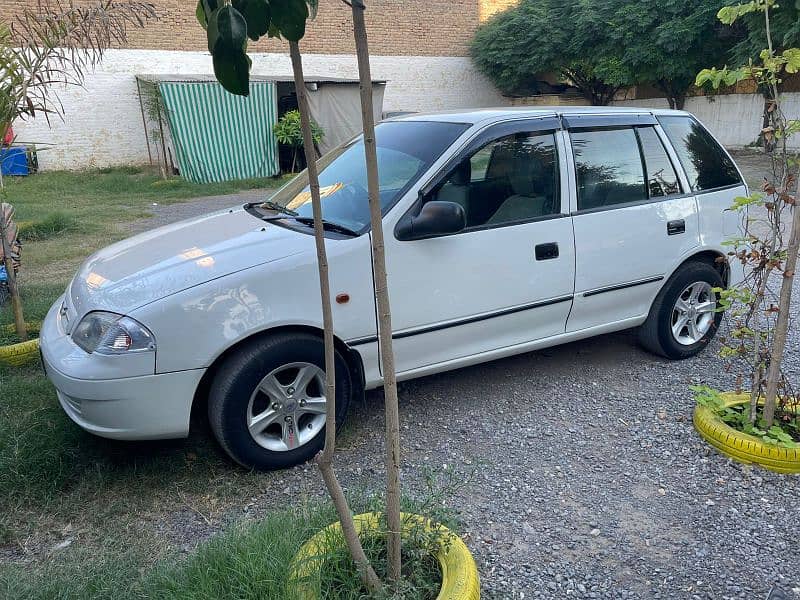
{"type": "Point", "coordinates": [675, 227]}
{"type": "Point", "coordinates": [547, 251]}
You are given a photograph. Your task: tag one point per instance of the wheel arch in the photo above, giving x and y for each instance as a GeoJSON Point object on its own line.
{"type": "Point", "coordinates": [353, 359]}
{"type": "Point", "coordinates": [715, 258]}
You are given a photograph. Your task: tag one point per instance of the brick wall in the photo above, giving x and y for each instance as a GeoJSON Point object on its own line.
{"type": "Point", "coordinates": [487, 8]}
{"type": "Point", "coordinates": [395, 27]}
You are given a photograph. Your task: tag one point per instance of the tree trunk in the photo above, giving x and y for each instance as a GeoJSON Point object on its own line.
{"type": "Point", "coordinates": [16, 300]}
{"type": "Point", "coordinates": [325, 459]}
{"type": "Point", "coordinates": [782, 323]}
{"type": "Point", "coordinates": [393, 542]}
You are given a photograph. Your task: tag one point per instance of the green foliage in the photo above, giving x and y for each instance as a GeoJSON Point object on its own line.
{"type": "Point", "coordinates": [50, 225]}
{"type": "Point", "coordinates": [257, 15]}
{"type": "Point", "coordinates": [784, 18]}
{"type": "Point", "coordinates": [663, 42]}
{"type": "Point", "coordinates": [517, 47]}
{"type": "Point", "coordinates": [422, 576]}
{"type": "Point", "coordinates": [758, 315]}
{"type": "Point", "coordinates": [783, 434]}
{"type": "Point", "coordinates": [54, 44]}
{"type": "Point", "coordinates": [728, 14]}
{"type": "Point", "coordinates": [289, 132]}
{"type": "Point", "coordinates": [601, 45]}
{"type": "Point", "coordinates": [228, 27]}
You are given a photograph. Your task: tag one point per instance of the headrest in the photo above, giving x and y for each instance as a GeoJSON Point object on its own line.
{"type": "Point", "coordinates": [462, 174]}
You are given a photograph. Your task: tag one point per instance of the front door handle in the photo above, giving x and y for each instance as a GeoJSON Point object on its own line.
{"type": "Point", "coordinates": [547, 251]}
{"type": "Point", "coordinates": [676, 227]}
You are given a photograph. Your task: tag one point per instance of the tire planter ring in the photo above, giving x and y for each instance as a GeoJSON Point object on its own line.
{"type": "Point", "coordinates": [17, 355]}
{"type": "Point", "coordinates": [460, 579]}
{"type": "Point", "coordinates": [743, 447]}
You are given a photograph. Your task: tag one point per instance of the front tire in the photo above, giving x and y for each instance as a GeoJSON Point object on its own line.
{"type": "Point", "coordinates": [267, 402]}
{"type": "Point", "coordinates": [684, 318]}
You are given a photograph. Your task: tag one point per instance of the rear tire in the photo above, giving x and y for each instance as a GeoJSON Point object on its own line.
{"type": "Point", "coordinates": [254, 386]}
{"type": "Point", "coordinates": [664, 332]}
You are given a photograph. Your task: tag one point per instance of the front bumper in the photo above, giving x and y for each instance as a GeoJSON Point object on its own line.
{"type": "Point", "coordinates": [145, 407]}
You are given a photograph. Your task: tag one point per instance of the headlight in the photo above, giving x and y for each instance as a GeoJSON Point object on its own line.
{"type": "Point", "coordinates": [110, 333]}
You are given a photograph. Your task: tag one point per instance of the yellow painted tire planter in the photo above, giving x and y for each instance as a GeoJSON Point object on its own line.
{"type": "Point", "coordinates": [16, 355]}
{"type": "Point", "coordinates": [740, 446]}
{"type": "Point", "coordinates": [20, 354]}
{"type": "Point", "coordinates": [460, 579]}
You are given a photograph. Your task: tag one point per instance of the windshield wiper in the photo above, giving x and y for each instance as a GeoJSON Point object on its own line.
{"type": "Point", "coordinates": [329, 226]}
{"type": "Point", "coordinates": [274, 206]}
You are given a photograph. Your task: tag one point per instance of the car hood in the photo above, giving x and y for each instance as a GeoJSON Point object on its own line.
{"type": "Point", "coordinates": [167, 260]}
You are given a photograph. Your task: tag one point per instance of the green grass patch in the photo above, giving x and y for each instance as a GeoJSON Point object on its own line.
{"type": "Point", "coordinates": [48, 226]}
{"type": "Point", "coordinates": [36, 300]}
{"type": "Point", "coordinates": [251, 560]}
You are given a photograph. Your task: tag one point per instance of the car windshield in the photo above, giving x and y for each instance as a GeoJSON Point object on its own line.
{"type": "Point", "coordinates": [406, 149]}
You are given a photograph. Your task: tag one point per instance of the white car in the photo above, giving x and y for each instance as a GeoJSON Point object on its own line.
{"type": "Point", "coordinates": [506, 230]}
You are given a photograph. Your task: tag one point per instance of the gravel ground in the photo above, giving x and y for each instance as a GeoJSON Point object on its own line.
{"type": "Point", "coordinates": [584, 476]}
{"type": "Point", "coordinates": [164, 214]}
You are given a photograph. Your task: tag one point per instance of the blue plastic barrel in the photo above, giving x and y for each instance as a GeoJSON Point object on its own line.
{"type": "Point", "coordinates": [14, 161]}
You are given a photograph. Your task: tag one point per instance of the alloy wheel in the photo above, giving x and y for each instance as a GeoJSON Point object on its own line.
{"type": "Point", "coordinates": [693, 313]}
{"type": "Point", "coordinates": [287, 409]}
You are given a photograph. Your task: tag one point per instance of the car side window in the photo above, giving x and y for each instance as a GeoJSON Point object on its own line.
{"type": "Point", "coordinates": [706, 164]}
{"type": "Point", "coordinates": [609, 167]}
{"type": "Point", "coordinates": [662, 180]}
{"type": "Point", "coordinates": [509, 180]}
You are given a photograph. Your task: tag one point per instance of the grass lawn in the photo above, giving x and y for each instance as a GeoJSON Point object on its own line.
{"type": "Point", "coordinates": [64, 216]}
{"type": "Point", "coordinates": [58, 483]}
{"type": "Point", "coordinates": [88, 518]}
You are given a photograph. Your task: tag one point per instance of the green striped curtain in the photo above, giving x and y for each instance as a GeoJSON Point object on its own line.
{"type": "Point", "coordinates": [219, 136]}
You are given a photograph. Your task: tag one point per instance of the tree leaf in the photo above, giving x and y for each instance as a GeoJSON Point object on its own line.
{"type": "Point", "coordinates": [257, 15]}
{"type": "Point", "coordinates": [205, 8]}
{"type": "Point", "coordinates": [728, 14]}
{"type": "Point", "coordinates": [200, 13]}
{"type": "Point", "coordinates": [227, 31]}
{"type": "Point", "coordinates": [290, 17]}
{"type": "Point", "coordinates": [232, 70]}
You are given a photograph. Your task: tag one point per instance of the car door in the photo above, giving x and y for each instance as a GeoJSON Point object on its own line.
{"type": "Point", "coordinates": [508, 277]}
{"type": "Point", "coordinates": [712, 176]}
{"type": "Point", "coordinates": [632, 215]}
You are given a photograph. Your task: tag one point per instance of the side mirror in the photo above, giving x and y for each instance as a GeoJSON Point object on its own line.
{"type": "Point", "coordinates": [437, 217]}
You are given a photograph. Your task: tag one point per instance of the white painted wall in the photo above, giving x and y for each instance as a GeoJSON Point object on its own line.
{"type": "Point", "coordinates": [734, 119]}
{"type": "Point", "coordinates": [103, 123]}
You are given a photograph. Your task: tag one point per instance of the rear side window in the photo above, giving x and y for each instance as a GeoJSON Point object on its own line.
{"type": "Point", "coordinates": [706, 164]}
{"type": "Point", "coordinates": [661, 177]}
{"type": "Point", "coordinates": [609, 168]}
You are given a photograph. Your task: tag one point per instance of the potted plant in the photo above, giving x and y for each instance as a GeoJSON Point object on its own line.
{"type": "Point", "coordinates": [229, 25]}
{"type": "Point", "coordinates": [288, 131]}
{"type": "Point", "coordinates": [438, 563]}
{"type": "Point", "coordinates": [763, 425]}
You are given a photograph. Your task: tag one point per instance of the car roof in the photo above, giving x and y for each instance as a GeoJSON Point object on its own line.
{"type": "Point", "coordinates": [489, 115]}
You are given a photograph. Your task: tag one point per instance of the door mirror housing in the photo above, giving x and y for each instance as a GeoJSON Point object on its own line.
{"type": "Point", "coordinates": [436, 218]}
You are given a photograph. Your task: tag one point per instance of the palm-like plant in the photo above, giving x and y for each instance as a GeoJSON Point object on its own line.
{"type": "Point", "coordinates": [47, 47]}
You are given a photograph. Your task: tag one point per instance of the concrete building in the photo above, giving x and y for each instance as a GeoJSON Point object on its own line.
{"type": "Point", "coordinates": [419, 48]}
